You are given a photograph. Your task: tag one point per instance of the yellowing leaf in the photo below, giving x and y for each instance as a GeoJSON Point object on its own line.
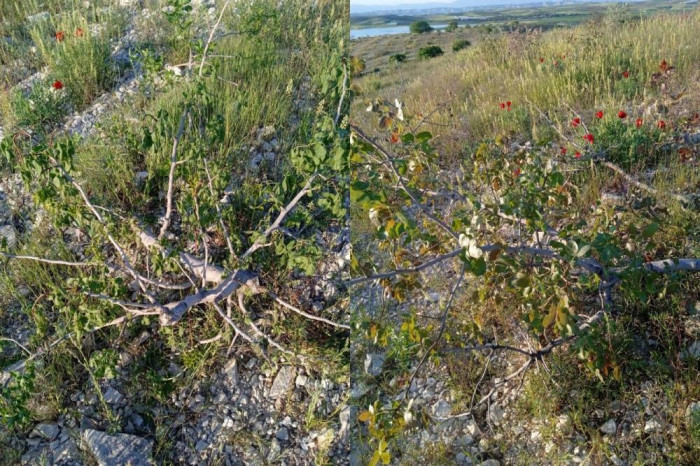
{"type": "Point", "coordinates": [549, 318]}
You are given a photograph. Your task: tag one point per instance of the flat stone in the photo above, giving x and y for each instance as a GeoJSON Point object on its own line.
{"type": "Point", "coordinates": [490, 462]}
{"type": "Point", "coordinates": [112, 396]}
{"type": "Point", "coordinates": [283, 382]}
{"type": "Point", "coordinates": [109, 450]}
{"type": "Point", "coordinates": [496, 414]}
{"type": "Point", "coordinates": [359, 390]}
{"type": "Point", "coordinates": [137, 420]}
{"type": "Point", "coordinates": [47, 431]}
{"type": "Point", "coordinates": [231, 371]}
{"type": "Point", "coordinates": [609, 428]}
{"type": "Point", "coordinates": [7, 232]}
{"type": "Point", "coordinates": [282, 434]}
{"type": "Point", "coordinates": [65, 452]}
{"type": "Point", "coordinates": [344, 421]}
{"type": "Point", "coordinates": [465, 440]}
{"type": "Point", "coordinates": [652, 425]}
{"type": "Point", "coordinates": [374, 363]}
{"type": "Point", "coordinates": [201, 445]}
{"type": "Point", "coordinates": [442, 409]}
{"type": "Point", "coordinates": [301, 380]}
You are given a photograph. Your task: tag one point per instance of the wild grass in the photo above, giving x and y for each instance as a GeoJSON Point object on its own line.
{"type": "Point", "coordinates": [77, 55]}
{"type": "Point", "coordinates": [590, 60]}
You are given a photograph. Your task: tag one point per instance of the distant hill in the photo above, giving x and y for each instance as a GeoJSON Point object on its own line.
{"type": "Point", "coordinates": [459, 5]}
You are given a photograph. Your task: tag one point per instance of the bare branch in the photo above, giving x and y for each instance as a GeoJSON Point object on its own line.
{"type": "Point", "coordinates": [260, 241]}
{"type": "Point", "coordinates": [211, 36]}
{"type": "Point", "coordinates": [673, 265]}
{"type": "Point", "coordinates": [218, 211]}
{"type": "Point", "coordinates": [416, 269]}
{"type": "Point", "coordinates": [342, 95]}
{"type": "Point", "coordinates": [208, 272]}
{"type": "Point", "coordinates": [639, 184]}
{"type": "Point", "coordinates": [48, 261]}
{"type": "Point", "coordinates": [241, 306]}
{"type": "Point", "coordinates": [305, 314]}
{"type": "Point", "coordinates": [171, 176]}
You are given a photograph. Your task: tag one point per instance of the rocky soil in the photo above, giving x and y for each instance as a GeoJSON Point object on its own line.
{"type": "Point", "coordinates": [497, 431]}
{"type": "Point", "coordinates": [248, 412]}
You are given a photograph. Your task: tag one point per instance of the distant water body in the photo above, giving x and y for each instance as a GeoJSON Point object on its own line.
{"type": "Point", "coordinates": [386, 31]}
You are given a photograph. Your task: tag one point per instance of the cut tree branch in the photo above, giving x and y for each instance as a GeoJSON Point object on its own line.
{"type": "Point", "coordinates": [171, 175]}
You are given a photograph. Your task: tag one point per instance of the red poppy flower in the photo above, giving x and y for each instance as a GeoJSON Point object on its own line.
{"type": "Point", "coordinates": [541, 59]}
{"type": "Point", "coordinates": [60, 35]}
{"type": "Point", "coordinates": [394, 138]}
{"type": "Point", "coordinates": [508, 105]}
{"type": "Point", "coordinates": [516, 172]}
{"type": "Point", "coordinates": [79, 33]}
{"type": "Point", "coordinates": [625, 74]}
{"type": "Point", "coordinates": [663, 66]}
{"type": "Point", "coordinates": [599, 114]}
{"type": "Point", "coordinates": [575, 122]}
{"type": "Point", "coordinates": [577, 155]}
{"type": "Point", "coordinates": [661, 124]}
{"type": "Point", "coordinates": [563, 151]}
{"type": "Point", "coordinates": [502, 105]}
{"type": "Point", "coordinates": [638, 122]}
{"type": "Point", "coordinates": [622, 114]}
{"type": "Point", "coordinates": [58, 85]}
{"type": "Point", "coordinates": [589, 137]}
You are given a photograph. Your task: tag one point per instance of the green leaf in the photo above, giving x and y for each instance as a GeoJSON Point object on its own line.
{"type": "Point", "coordinates": [424, 136]}
{"type": "Point", "coordinates": [650, 229]}
{"type": "Point", "coordinates": [478, 266]}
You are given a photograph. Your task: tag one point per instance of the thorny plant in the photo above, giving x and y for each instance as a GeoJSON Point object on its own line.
{"type": "Point", "coordinates": [504, 221]}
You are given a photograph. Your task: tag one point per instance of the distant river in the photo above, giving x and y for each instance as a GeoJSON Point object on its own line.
{"type": "Point", "coordinates": [385, 31]}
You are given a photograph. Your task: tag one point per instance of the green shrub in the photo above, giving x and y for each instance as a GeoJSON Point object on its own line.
{"type": "Point", "coordinates": [626, 144]}
{"type": "Point", "coordinates": [420, 27]}
{"type": "Point", "coordinates": [452, 26]}
{"type": "Point", "coordinates": [397, 58]}
{"type": "Point", "coordinates": [430, 51]}
{"type": "Point", "coordinates": [460, 44]}
{"type": "Point", "coordinates": [357, 65]}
